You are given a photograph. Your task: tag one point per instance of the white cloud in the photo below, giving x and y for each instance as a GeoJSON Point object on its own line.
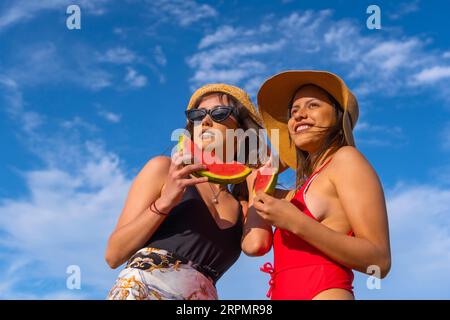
{"type": "Point", "coordinates": [28, 120]}
{"type": "Point", "coordinates": [119, 55]}
{"type": "Point", "coordinates": [223, 34]}
{"type": "Point", "coordinates": [432, 75]}
{"type": "Point", "coordinates": [382, 62]}
{"type": "Point", "coordinates": [181, 12]}
{"type": "Point", "coordinates": [391, 55]}
{"type": "Point", "coordinates": [45, 63]}
{"type": "Point", "coordinates": [403, 9]}
{"type": "Point", "coordinates": [446, 55]}
{"type": "Point", "coordinates": [19, 11]}
{"type": "Point", "coordinates": [134, 79]}
{"type": "Point", "coordinates": [369, 134]}
{"type": "Point", "coordinates": [78, 122]}
{"type": "Point", "coordinates": [159, 56]}
{"type": "Point", "coordinates": [41, 63]}
{"type": "Point", "coordinates": [110, 116]}
{"type": "Point", "coordinates": [71, 205]}
{"type": "Point", "coordinates": [234, 64]}
{"type": "Point", "coordinates": [419, 219]}
{"type": "Point", "coordinates": [66, 219]}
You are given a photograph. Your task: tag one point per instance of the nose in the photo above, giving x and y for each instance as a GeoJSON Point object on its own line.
{"type": "Point", "coordinates": [207, 121]}
{"type": "Point", "coordinates": [301, 113]}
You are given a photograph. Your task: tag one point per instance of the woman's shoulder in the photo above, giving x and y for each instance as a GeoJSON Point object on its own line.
{"type": "Point", "coordinates": [348, 159]}
{"type": "Point", "coordinates": [158, 165]}
{"type": "Point", "coordinates": [347, 152]}
{"type": "Point", "coordinates": [348, 156]}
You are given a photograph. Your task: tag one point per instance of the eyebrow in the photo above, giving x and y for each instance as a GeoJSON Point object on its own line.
{"type": "Point", "coordinates": [308, 101]}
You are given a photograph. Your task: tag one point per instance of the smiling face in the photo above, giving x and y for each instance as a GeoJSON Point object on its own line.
{"type": "Point", "coordinates": [208, 131]}
{"type": "Point", "coordinates": [311, 114]}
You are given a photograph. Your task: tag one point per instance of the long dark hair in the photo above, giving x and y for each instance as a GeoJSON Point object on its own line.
{"type": "Point", "coordinates": [246, 121]}
{"type": "Point", "coordinates": [334, 139]}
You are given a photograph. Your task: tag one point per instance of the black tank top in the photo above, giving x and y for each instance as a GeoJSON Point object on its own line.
{"type": "Point", "coordinates": [191, 232]}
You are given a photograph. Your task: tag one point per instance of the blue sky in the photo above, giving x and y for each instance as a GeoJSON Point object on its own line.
{"type": "Point", "coordinates": [83, 110]}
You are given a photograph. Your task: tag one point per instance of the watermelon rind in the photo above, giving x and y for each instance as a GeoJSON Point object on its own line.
{"type": "Point", "coordinates": [217, 178]}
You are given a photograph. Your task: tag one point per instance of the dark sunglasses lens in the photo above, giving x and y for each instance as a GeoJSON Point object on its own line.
{"type": "Point", "coordinates": [196, 115]}
{"type": "Point", "coordinates": [220, 114]}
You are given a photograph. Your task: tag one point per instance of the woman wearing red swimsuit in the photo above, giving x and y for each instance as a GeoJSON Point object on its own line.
{"type": "Point", "coordinates": [335, 220]}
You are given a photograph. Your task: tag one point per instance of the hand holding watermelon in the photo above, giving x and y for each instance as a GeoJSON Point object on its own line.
{"type": "Point", "coordinates": [178, 179]}
{"type": "Point", "coordinates": [266, 178]}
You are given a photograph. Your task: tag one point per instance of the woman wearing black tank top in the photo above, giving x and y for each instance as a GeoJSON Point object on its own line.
{"type": "Point", "coordinates": [179, 233]}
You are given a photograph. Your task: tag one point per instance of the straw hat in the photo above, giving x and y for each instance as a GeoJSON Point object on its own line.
{"type": "Point", "coordinates": [276, 93]}
{"type": "Point", "coordinates": [237, 93]}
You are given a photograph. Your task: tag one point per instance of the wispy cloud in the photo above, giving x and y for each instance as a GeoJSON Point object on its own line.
{"type": "Point", "coordinates": [379, 135]}
{"type": "Point", "coordinates": [119, 55]}
{"type": "Point", "coordinates": [160, 57]}
{"type": "Point", "coordinates": [223, 34]}
{"type": "Point", "coordinates": [181, 12]}
{"type": "Point", "coordinates": [110, 116]}
{"type": "Point", "coordinates": [64, 221]}
{"type": "Point", "coordinates": [78, 122]}
{"type": "Point", "coordinates": [43, 63]}
{"type": "Point", "coordinates": [403, 9]}
{"type": "Point", "coordinates": [419, 220]}
{"type": "Point", "coordinates": [379, 62]}
{"type": "Point", "coordinates": [432, 75]}
{"type": "Point", "coordinates": [13, 103]}
{"type": "Point", "coordinates": [71, 205]}
{"type": "Point", "coordinates": [134, 79]}
{"type": "Point", "coordinates": [19, 11]}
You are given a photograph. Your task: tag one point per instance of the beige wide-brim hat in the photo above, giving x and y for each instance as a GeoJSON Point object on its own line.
{"type": "Point", "coordinates": [277, 92]}
{"type": "Point", "coordinates": [237, 93]}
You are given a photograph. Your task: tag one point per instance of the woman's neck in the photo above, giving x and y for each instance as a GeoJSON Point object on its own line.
{"type": "Point", "coordinates": [318, 160]}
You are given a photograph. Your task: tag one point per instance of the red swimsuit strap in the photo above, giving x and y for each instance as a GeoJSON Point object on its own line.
{"type": "Point", "coordinates": [314, 174]}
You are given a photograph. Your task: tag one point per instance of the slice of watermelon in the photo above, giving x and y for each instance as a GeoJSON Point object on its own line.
{"type": "Point", "coordinates": [266, 180]}
{"type": "Point", "coordinates": [217, 172]}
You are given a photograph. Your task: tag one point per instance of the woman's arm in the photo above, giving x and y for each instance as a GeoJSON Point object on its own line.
{"type": "Point", "coordinates": [257, 233]}
{"type": "Point", "coordinates": [360, 192]}
{"type": "Point", "coordinates": [136, 222]}
{"type": "Point", "coordinates": [161, 181]}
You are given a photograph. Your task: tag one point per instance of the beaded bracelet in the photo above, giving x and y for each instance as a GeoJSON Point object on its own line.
{"type": "Point", "coordinates": [153, 204]}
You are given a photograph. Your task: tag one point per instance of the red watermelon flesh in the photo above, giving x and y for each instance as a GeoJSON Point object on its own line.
{"type": "Point", "coordinates": [217, 172]}
{"type": "Point", "coordinates": [266, 180]}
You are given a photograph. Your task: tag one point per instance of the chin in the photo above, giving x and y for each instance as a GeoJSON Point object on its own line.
{"type": "Point", "coordinates": [303, 143]}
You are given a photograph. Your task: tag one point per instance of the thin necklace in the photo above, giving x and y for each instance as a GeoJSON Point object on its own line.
{"type": "Point", "coordinates": [215, 195]}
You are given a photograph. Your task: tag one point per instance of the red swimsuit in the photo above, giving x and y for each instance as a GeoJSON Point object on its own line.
{"type": "Point", "coordinates": [300, 270]}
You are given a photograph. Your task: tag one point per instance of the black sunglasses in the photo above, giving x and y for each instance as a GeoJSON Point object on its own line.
{"type": "Point", "coordinates": [217, 113]}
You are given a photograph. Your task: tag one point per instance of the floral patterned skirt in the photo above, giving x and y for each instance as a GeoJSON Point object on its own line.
{"type": "Point", "coordinates": [156, 274]}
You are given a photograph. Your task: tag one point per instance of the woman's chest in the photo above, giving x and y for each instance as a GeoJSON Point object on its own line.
{"type": "Point", "coordinates": [322, 200]}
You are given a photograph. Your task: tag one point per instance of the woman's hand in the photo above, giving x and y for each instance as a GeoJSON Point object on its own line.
{"type": "Point", "coordinates": [177, 180]}
{"type": "Point", "coordinates": [278, 212]}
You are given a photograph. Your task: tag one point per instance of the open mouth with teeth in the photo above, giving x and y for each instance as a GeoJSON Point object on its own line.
{"type": "Point", "coordinates": [207, 135]}
{"type": "Point", "coordinates": [302, 128]}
